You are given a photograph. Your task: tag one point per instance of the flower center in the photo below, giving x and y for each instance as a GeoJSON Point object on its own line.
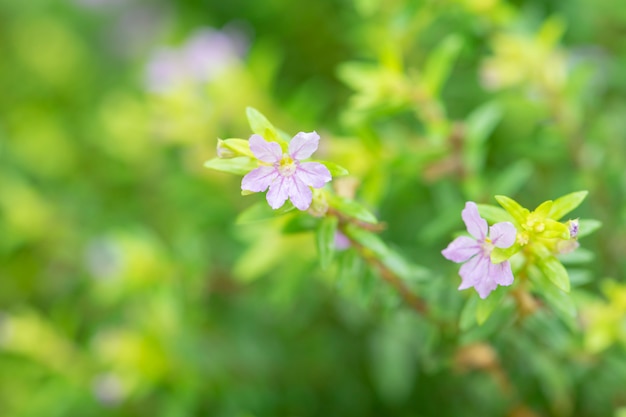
{"type": "Point", "coordinates": [487, 247]}
{"type": "Point", "coordinates": [523, 238]}
{"type": "Point", "coordinates": [287, 166]}
{"type": "Point", "coordinates": [534, 223]}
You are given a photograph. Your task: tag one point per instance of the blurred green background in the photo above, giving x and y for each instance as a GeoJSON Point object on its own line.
{"type": "Point", "coordinates": [128, 289]}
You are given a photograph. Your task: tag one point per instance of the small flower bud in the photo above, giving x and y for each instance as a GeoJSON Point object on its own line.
{"type": "Point", "coordinates": [223, 151]}
{"type": "Point", "coordinates": [319, 204]}
{"type": "Point", "coordinates": [573, 228]}
{"type": "Point", "coordinates": [232, 148]}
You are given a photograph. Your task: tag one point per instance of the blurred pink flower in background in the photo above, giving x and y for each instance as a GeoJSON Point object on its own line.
{"type": "Point", "coordinates": [206, 54]}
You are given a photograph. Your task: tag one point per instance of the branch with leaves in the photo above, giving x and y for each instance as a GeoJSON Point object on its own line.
{"type": "Point", "coordinates": [520, 246]}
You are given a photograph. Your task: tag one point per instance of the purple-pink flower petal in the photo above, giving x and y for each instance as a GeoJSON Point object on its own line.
{"type": "Point", "coordinates": [484, 276]}
{"type": "Point", "coordinates": [501, 273]}
{"type": "Point", "coordinates": [303, 145]}
{"type": "Point", "coordinates": [342, 242]}
{"type": "Point", "coordinates": [478, 271]}
{"type": "Point", "coordinates": [269, 152]}
{"type": "Point", "coordinates": [278, 192]}
{"type": "Point", "coordinates": [287, 178]}
{"type": "Point", "coordinates": [259, 179]}
{"type": "Point", "coordinates": [472, 271]}
{"type": "Point", "coordinates": [476, 225]}
{"type": "Point", "coordinates": [485, 286]}
{"type": "Point", "coordinates": [299, 193]}
{"type": "Point", "coordinates": [313, 174]}
{"type": "Point", "coordinates": [461, 249]}
{"type": "Point", "coordinates": [502, 234]}
{"type": "Point", "coordinates": [166, 71]}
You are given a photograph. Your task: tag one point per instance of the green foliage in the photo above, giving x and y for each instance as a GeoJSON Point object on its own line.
{"type": "Point", "coordinates": [351, 208]}
{"type": "Point", "coordinates": [565, 204]}
{"type": "Point", "coordinates": [238, 166]}
{"type": "Point", "coordinates": [136, 282]}
{"type": "Point", "coordinates": [440, 62]}
{"type": "Point", "coordinates": [261, 126]}
{"type": "Point", "coordinates": [325, 238]}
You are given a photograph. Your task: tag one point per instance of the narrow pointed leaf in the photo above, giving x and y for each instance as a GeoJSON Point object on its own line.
{"type": "Point", "coordinates": [513, 177]}
{"type": "Point", "coordinates": [487, 306]}
{"type": "Point", "coordinates": [325, 240]}
{"type": "Point", "coordinates": [262, 211]}
{"type": "Point", "coordinates": [468, 314]}
{"type": "Point", "coordinates": [588, 226]}
{"type": "Point", "coordinates": [494, 214]}
{"type": "Point", "coordinates": [396, 263]}
{"type": "Point", "coordinates": [261, 126]}
{"type": "Point", "coordinates": [478, 127]}
{"type": "Point", "coordinates": [554, 271]}
{"type": "Point", "coordinates": [237, 166]}
{"type": "Point", "coordinates": [336, 170]}
{"type": "Point", "coordinates": [440, 63]}
{"type": "Point", "coordinates": [567, 203]}
{"type": "Point", "coordinates": [557, 299]}
{"type": "Point", "coordinates": [516, 211]}
{"type": "Point", "coordinates": [544, 208]}
{"type": "Point", "coordinates": [368, 240]}
{"type": "Point", "coordinates": [352, 209]}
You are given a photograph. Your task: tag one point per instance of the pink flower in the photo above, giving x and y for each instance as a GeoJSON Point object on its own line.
{"type": "Point", "coordinates": [285, 175]}
{"type": "Point", "coordinates": [205, 55]}
{"type": "Point", "coordinates": [342, 242]}
{"type": "Point", "coordinates": [478, 271]}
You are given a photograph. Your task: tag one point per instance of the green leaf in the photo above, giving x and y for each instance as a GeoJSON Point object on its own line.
{"type": "Point", "coordinates": [543, 210]}
{"type": "Point", "coordinates": [302, 222]}
{"type": "Point", "coordinates": [587, 227]}
{"type": "Point", "coordinates": [478, 126]}
{"type": "Point", "coordinates": [238, 166]}
{"type": "Point", "coordinates": [554, 271]}
{"type": "Point", "coordinates": [368, 240]}
{"type": "Point", "coordinates": [580, 277]}
{"type": "Point", "coordinates": [486, 307]}
{"type": "Point", "coordinates": [468, 314]}
{"type": "Point", "coordinates": [555, 230]}
{"type": "Point", "coordinates": [482, 121]}
{"type": "Point", "coordinates": [578, 256]}
{"type": "Point", "coordinates": [406, 270]}
{"type": "Point", "coordinates": [350, 268]}
{"type": "Point", "coordinates": [336, 170]}
{"type": "Point", "coordinates": [261, 126]}
{"type": "Point", "coordinates": [325, 239]}
{"type": "Point", "coordinates": [393, 358]}
{"type": "Point", "coordinates": [233, 147]}
{"type": "Point", "coordinates": [513, 177]}
{"type": "Point", "coordinates": [358, 75]}
{"type": "Point", "coordinates": [440, 62]}
{"type": "Point", "coordinates": [262, 211]}
{"type": "Point", "coordinates": [567, 203]}
{"type": "Point", "coordinates": [556, 298]}
{"type": "Point", "coordinates": [494, 214]}
{"type": "Point", "coordinates": [499, 255]}
{"type": "Point", "coordinates": [352, 209]}
{"type": "Point", "coordinates": [516, 211]}
{"type": "Point", "coordinates": [390, 258]}
{"type": "Point", "coordinates": [551, 31]}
